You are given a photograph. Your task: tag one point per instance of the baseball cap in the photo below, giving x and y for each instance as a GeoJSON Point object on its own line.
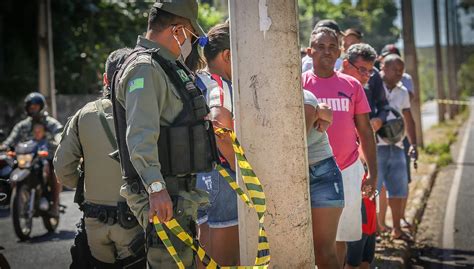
{"type": "Point", "coordinates": [184, 8]}
{"type": "Point", "coordinates": [389, 49]}
{"type": "Point", "coordinates": [329, 24]}
{"type": "Point", "coordinates": [354, 32]}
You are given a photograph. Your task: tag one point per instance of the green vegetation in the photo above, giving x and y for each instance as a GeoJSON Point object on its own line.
{"type": "Point", "coordinates": [466, 77]}
{"type": "Point", "coordinates": [375, 18]}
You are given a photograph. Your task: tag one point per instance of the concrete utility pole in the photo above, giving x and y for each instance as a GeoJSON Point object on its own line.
{"type": "Point", "coordinates": [270, 125]}
{"type": "Point", "coordinates": [439, 64]}
{"type": "Point", "coordinates": [411, 64]}
{"type": "Point", "coordinates": [451, 59]}
{"type": "Point", "coordinates": [46, 82]}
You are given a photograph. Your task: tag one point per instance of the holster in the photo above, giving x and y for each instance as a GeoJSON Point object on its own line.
{"type": "Point", "coordinates": [80, 251]}
{"type": "Point", "coordinates": [137, 259]}
{"type": "Point", "coordinates": [188, 149]}
{"type": "Point", "coordinates": [126, 219]}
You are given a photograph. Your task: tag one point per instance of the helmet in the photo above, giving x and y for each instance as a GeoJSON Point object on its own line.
{"type": "Point", "coordinates": [35, 98]}
{"type": "Point", "coordinates": [393, 130]}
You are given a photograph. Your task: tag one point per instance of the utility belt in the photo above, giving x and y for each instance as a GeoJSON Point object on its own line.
{"type": "Point", "coordinates": [110, 215]}
{"type": "Point", "coordinates": [173, 184]}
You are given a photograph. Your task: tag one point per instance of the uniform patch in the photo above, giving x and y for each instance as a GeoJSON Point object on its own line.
{"type": "Point", "coordinates": [184, 77]}
{"type": "Point", "coordinates": [136, 84]}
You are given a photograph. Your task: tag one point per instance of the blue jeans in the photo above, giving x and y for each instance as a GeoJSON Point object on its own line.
{"type": "Point", "coordinates": [222, 209]}
{"type": "Point", "coordinates": [392, 171]}
{"type": "Point", "coordinates": [326, 187]}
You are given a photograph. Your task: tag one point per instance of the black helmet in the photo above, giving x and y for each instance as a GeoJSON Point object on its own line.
{"type": "Point", "coordinates": [393, 130]}
{"type": "Point", "coordinates": [35, 98]}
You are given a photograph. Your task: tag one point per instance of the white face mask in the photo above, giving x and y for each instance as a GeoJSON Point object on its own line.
{"type": "Point", "coordinates": [186, 47]}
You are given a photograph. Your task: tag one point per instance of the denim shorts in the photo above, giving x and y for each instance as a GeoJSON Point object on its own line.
{"type": "Point", "coordinates": [222, 209]}
{"type": "Point", "coordinates": [392, 171]}
{"type": "Point", "coordinates": [325, 185]}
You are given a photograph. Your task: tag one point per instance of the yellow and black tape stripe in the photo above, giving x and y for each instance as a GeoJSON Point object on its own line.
{"type": "Point", "coordinates": [453, 102]}
{"type": "Point", "coordinates": [257, 201]}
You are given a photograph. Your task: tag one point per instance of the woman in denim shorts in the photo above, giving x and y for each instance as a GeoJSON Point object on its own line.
{"type": "Point", "coordinates": [218, 223]}
{"type": "Point", "coordinates": [326, 188]}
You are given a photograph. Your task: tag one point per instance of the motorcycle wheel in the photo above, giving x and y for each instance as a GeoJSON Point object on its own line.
{"type": "Point", "coordinates": [22, 223]}
{"type": "Point", "coordinates": [50, 223]}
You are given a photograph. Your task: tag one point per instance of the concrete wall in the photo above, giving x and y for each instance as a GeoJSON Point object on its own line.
{"type": "Point", "coordinates": [67, 105]}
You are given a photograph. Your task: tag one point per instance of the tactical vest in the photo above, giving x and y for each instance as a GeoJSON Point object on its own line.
{"type": "Point", "coordinates": [188, 145]}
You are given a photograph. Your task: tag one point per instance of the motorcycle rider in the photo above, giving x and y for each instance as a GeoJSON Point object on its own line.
{"type": "Point", "coordinates": [35, 107]}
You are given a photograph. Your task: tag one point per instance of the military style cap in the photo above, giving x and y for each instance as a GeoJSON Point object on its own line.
{"type": "Point", "coordinates": [185, 8]}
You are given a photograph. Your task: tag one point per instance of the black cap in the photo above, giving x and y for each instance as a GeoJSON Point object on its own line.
{"type": "Point", "coordinates": [329, 24]}
{"type": "Point", "coordinates": [390, 49]}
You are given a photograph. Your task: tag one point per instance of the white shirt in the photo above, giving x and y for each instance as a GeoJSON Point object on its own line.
{"type": "Point", "coordinates": [399, 99]}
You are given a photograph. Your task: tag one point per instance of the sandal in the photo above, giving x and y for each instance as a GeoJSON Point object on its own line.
{"type": "Point", "coordinates": [405, 224]}
{"type": "Point", "coordinates": [405, 237]}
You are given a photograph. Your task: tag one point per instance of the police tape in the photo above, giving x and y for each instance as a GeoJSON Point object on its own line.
{"type": "Point", "coordinates": [256, 201]}
{"type": "Point", "coordinates": [453, 102]}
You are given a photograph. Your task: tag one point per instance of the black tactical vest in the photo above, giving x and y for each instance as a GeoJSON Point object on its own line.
{"type": "Point", "coordinates": [185, 147]}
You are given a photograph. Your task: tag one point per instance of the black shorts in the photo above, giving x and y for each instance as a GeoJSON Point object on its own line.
{"type": "Point", "coordinates": [361, 251]}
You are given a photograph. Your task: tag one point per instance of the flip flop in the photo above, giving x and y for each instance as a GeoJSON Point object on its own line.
{"type": "Point", "coordinates": [405, 237]}
{"type": "Point", "coordinates": [405, 224]}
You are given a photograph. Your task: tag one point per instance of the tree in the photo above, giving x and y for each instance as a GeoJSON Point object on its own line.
{"type": "Point", "coordinates": [375, 18]}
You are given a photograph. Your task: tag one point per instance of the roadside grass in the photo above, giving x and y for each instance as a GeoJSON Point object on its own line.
{"type": "Point", "coordinates": [438, 140]}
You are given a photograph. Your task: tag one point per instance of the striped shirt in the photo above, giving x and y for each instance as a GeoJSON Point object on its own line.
{"type": "Point", "coordinates": [216, 90]}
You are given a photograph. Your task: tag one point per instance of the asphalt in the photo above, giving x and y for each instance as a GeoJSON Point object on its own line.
{"type": "Point", "coordinates": [43, 250]}
{"type": "Point", "coordinates": [443, 241]}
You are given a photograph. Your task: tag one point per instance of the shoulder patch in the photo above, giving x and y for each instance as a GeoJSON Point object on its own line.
{"type": "Point", "coordinates": [184, 77]}
{"type": "Point", "coordinates": [136, 84]}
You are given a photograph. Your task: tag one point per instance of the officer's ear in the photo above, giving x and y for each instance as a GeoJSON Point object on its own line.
{"type": "Point", "coordinates": [105, 80]}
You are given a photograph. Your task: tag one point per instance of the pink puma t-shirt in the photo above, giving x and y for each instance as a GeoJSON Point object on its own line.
{"type": "Point", "coordinates": [345, 95]}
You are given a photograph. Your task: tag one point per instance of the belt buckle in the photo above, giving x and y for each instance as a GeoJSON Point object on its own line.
{"type": "Point", "coordinates": [102, 216]}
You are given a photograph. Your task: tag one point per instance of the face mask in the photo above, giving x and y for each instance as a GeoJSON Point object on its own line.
{"type": "Point", "coordinates": [186, 47]}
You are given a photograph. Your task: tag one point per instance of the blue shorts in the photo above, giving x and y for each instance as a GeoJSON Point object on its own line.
{"type": "Point", "coordinates": [325, 184]}
{"type": "Point", "coordinates": [361, 251]}
{"type": "Point", "coordinates": [392, 171]}
{"type": "Point", "coordinates": [222, 209]}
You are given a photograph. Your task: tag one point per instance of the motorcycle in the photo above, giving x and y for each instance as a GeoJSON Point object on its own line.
{"type": "Point", "coordinates": [31, 195]}
{"type": "Point", "coordinates": [6, 167]}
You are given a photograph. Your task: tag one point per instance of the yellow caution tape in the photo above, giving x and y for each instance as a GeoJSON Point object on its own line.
{"type": "Point", "coordinates": [453, 102]}
{"type": "Point", "coordinates": [257, 201]}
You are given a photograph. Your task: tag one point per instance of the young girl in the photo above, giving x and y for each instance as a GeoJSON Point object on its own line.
{"type": "Point", "coordinates": [326, 188]}
{"type": "Point", "coordinates": [218, 224]}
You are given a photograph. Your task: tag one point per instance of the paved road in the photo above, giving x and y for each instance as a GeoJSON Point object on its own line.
{"type": "Point", "coordinates": [446, 234]}
{"type": "Point", "coordinates": [43, 250]}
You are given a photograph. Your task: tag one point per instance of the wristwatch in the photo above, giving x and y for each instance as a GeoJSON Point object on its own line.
{"type": "Point", "coordinates": [155, 187]}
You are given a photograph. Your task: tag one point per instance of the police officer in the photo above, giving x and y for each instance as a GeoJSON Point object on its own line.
{"type": "Point", "coordinates": [113, 234]}
{"type": "Point", "coordinates": [163, 136]}
{"type": "Point", "coordinates": [35, 107]}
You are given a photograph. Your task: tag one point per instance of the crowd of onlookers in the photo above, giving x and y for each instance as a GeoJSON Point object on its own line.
{"type": "Point", "coordinates": [360, 137]}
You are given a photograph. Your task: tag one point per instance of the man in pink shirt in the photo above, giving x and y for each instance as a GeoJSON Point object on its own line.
{"type": "Point", "coordinates": [351, 128]}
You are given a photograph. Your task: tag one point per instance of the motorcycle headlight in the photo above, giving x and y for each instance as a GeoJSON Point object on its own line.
{"type": "Point", "coordinates": [24, 160]}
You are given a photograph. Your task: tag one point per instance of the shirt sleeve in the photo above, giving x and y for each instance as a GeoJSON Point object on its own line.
{"type": "Point", "coordinates": [68, 154]}
{"type": "Point", "coordinates": [361, 105]}
{"type": "Point", "coordinates": [221, 97]}
{"type": "Point", "coordinates": [145, 94]}
{"type": "Point", "coordinates": [406, 100]}
{"type": "Point", "coordinates": [310, 99]}
{"type": "Point", "coordinates": [14, 135]}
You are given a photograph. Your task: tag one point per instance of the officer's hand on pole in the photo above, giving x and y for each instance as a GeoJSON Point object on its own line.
{"type": "Point", "coordinates": [161, 206]}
